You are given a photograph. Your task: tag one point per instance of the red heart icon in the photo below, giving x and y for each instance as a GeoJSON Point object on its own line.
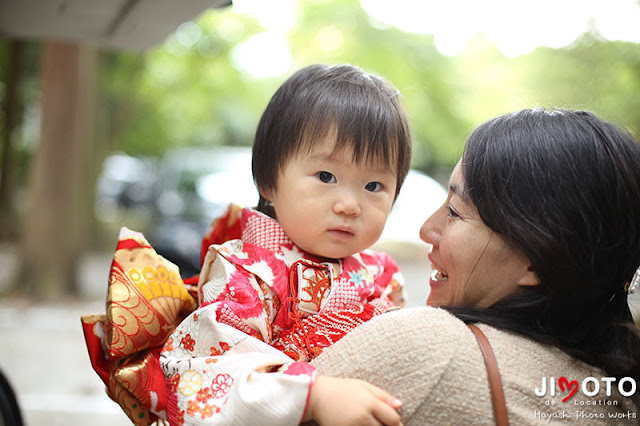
{"type": "Point", "coordinates": [571, 386]}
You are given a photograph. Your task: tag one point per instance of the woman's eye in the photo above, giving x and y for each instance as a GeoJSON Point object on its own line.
{"type": "Point", "coordinates": [373, 186]}
{"type": "Point", "coordinates": [326, 177]}
{"type": "Point", "coordinates": [452, 213]}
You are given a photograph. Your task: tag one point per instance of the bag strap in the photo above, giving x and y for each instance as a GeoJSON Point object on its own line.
{"type": "Point", "coordinates": [495, 382]}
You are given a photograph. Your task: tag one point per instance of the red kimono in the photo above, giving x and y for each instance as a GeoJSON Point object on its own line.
{"type": "Point", "coordinates": [254, 282]}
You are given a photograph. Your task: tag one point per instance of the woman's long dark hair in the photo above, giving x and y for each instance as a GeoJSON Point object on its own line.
{"type": "Point", "coordinates": [563, 187]}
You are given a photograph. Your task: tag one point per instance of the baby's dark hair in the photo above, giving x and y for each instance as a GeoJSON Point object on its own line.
{"type": "Point", "coordinates": [360, 110]}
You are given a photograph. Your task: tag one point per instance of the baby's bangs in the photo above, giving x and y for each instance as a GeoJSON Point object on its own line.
{"type": "Point", "coordinates": [372, 130]}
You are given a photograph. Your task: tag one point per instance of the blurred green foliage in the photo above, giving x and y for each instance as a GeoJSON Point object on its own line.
{"type": "Point", "coordinates": [188, 91]}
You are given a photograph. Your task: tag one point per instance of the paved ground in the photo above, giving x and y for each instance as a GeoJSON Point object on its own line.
{"type": "Point", "coordinates": [44, 356]}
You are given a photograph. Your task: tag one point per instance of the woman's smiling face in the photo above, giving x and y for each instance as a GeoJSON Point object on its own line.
{"type": "Point", "coordinates": [472, 265]}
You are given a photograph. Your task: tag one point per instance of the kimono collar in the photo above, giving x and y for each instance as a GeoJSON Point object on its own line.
{"type": "Point", "coordinates": [263, 231]}
{"type": "Point", "coordinates": [266, 232]}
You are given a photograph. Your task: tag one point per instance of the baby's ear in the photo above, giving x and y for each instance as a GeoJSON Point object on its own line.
{"type": "Point", "coordinates": [265, 193]}
{"type": "Point", "coordinates": [529, 278]}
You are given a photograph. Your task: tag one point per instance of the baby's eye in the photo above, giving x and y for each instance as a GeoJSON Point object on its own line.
{"type": "Point", "coordinates": [374, 187]}
{"type": "Point", "coordinates": [326, 177]}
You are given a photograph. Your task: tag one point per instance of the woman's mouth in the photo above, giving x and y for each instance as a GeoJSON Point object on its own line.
{"type": "Point", "coordinates": [438, 276]}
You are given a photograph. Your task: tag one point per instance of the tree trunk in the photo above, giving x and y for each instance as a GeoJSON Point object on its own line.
{"type": "Point", "coordinates": [56, 227]}
{"type": "Point", "coordinates": [12, 113]}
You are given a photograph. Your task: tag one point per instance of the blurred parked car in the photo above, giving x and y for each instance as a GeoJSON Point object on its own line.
{"type": "Point", "coordinates": [125, 182]}
{"type": "Point", "coordinates": [193, 186]}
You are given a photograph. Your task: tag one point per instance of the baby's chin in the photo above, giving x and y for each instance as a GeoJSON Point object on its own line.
{"type": "Point", "coordinates": [333, 253]}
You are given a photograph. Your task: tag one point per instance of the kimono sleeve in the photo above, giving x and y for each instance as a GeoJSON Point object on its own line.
{"type": "Point", "coordinates": [218, 375]}
{"type": "Point", "coordinates": [237, 282]}
{"type": "Point", "coordinates": [388, 280]}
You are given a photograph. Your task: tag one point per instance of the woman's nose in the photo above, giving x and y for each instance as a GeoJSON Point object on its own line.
{"type": "Point", "coordinates": [430, 231]}
{"type": "Point", "coordinates": [347, 204]}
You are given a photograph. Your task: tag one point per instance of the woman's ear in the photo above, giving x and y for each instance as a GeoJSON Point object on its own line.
{"type": "Point", "coordinates": [529, 278]}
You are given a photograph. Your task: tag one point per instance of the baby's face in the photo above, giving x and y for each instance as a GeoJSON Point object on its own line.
{"type": "Point", "coordinates": [331, 206]}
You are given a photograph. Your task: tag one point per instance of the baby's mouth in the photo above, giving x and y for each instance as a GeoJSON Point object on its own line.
{"type": "Point", "coordinates": [436, 275]}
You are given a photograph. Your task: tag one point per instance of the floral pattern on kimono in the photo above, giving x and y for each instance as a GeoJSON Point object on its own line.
{"type": "Point", "coordinates": [265, 308]}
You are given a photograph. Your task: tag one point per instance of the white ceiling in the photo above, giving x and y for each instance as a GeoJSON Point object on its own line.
{"type": "Point", "coordinates": [118, 24]}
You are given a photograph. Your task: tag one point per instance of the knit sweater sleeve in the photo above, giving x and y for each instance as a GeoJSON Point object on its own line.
{"type": "Point", "coordinates": [412, 353]}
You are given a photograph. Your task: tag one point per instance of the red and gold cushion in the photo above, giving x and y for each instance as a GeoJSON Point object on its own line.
{"type": "Point", "coordinates": [146, 300]}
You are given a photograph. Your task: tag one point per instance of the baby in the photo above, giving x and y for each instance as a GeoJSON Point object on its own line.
{"type": "Point", "coordinates": [330, 154]}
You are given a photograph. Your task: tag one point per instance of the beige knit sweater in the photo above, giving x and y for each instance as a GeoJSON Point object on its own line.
{"type": "Point", "coordinates": [432, 362]}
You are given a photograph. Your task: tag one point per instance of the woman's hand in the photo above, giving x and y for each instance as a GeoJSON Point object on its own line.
{"type": "Point", "coordinates": [336, 401]}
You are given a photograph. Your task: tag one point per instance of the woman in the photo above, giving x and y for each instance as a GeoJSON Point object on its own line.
{"type": "Point", "coordinates": [537, 243]}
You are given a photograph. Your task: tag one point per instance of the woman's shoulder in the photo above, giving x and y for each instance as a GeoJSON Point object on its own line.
{"type": "Point", "coordinates": [525, 354]}
{"type": "Point", "coordinates": [430, 335]}
{"type": "Point", "coordinates": [524, 360]}
{"type": "Point", "coordinates": [427, 313]}
{"type": "Point", "coordinates": [436, 322]}
{"type": "Point", "coordinates": [416, 328]}
{"type": "Point", "coordinates": [545, 384]}
{"type": "Point", "coordinates": [433, 352]}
